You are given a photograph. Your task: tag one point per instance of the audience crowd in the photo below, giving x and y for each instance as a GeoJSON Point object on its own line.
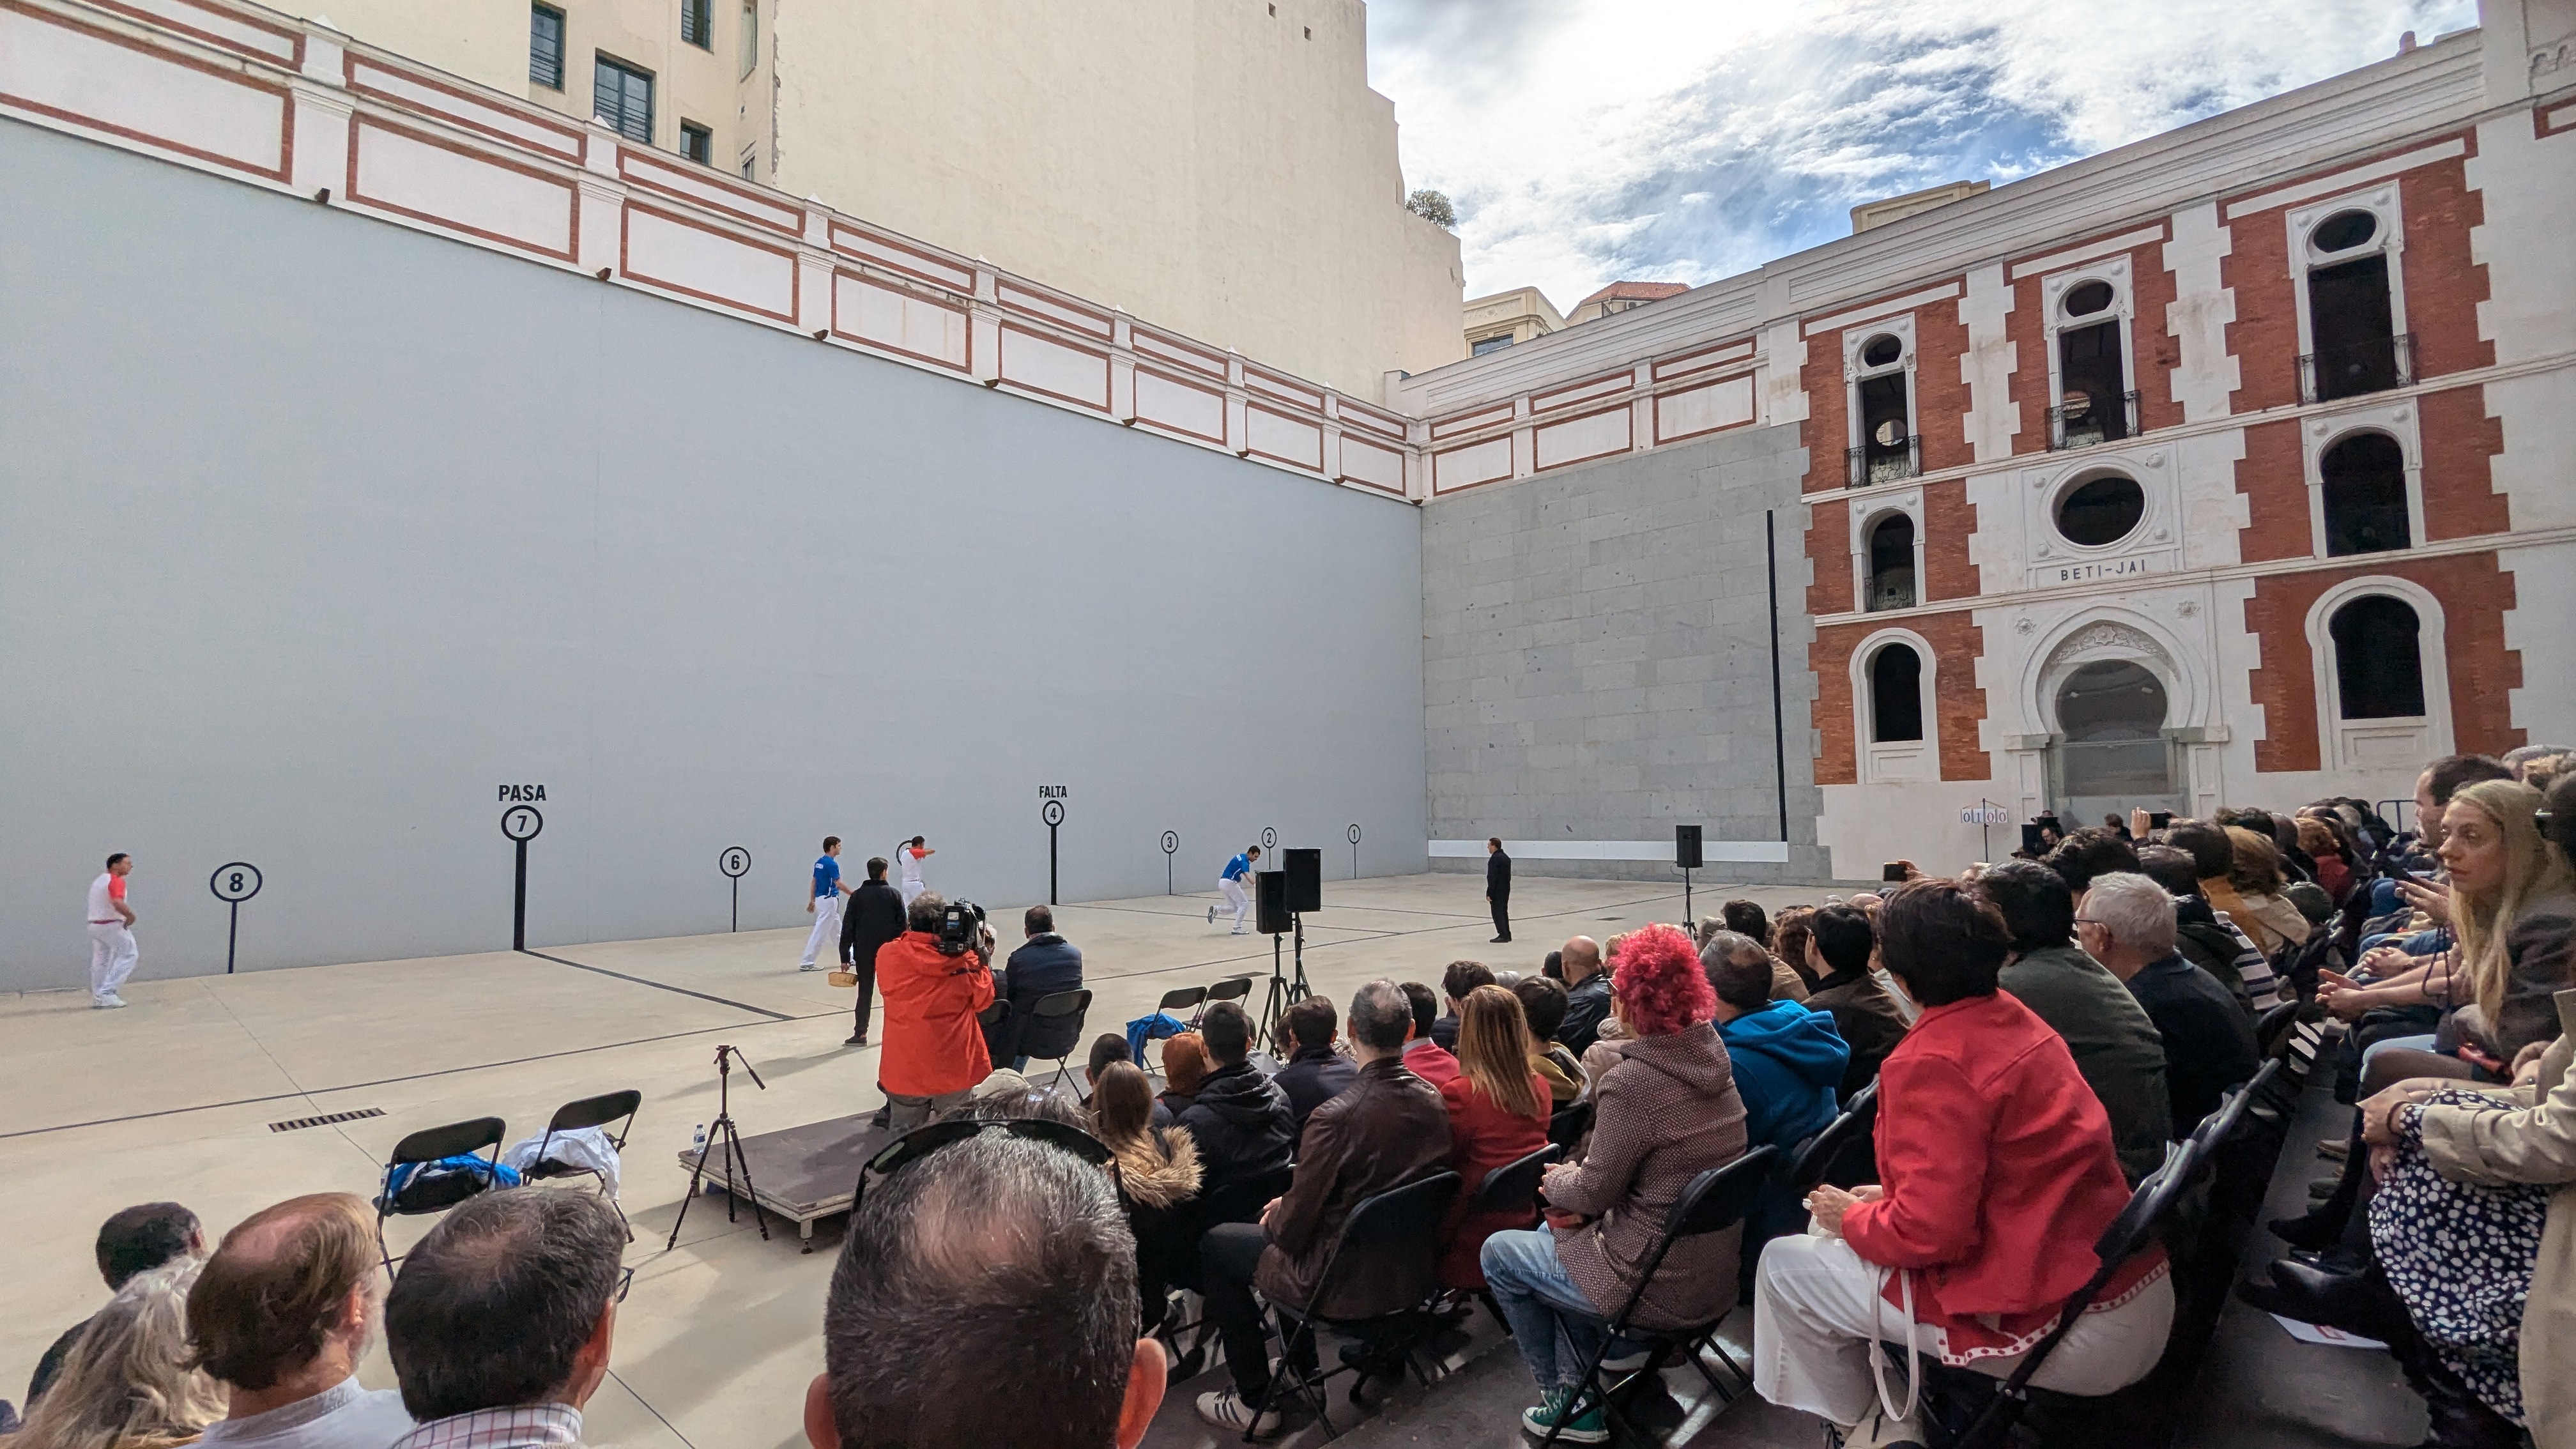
{"type": "Point", "coordinates": [2025, 1043]}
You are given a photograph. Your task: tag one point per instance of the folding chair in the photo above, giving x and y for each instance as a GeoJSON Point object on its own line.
{"type": "Point", "coordinates": [1513, 1187]}
{"type": "Point", "coordinates": [1236, 989]}
{"type": "Point", "coordinates": [589, 1112]}
{"type": "Point", "coordinates": [1567, 1124]}
{"type": "Point", "coordinates": [1406, 1219]}
{"type": "Point", "coordinates": [437, 1194]}
{"type": "Point", "coordinates": [1178, 999]}
{"type": "Point", "coordinates": [1716, 1200]}
{"type": "Point", "coordinates": [1056, 1004]}
{"type": "Point", "coordinates": [1844, 1150]}
{"type": "Point", "coordinates": [2149, 1210]}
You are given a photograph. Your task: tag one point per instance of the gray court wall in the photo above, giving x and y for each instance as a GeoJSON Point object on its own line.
{"type": "Point", "coordinates": [315, 531]}
{"type": "Point", "coordinates": [1596, 657]}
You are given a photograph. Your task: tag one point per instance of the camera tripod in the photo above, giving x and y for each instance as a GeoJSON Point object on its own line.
{"type": "Point", "coordinates": [1284, 992]}
{"type": "Point", "coordinates": [722, 1130]}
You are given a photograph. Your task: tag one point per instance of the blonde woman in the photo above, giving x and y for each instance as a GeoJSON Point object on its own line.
{"type": "Point", "coordinates": [127, 1384]}
{"type": "Point", "coordinates": [2512, 901]}
{"type": "Point", "coordinates": [2256, 877]}
{"type": "Point", "coordinates": [1158, 1175]}
{"type": "Point", "coordinates": [1498, 1109]}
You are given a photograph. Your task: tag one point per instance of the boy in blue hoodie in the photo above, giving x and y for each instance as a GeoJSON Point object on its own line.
{"type": "Point", "coordinates": [1788, 1060]}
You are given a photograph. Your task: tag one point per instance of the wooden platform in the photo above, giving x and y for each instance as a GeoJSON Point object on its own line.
{"type": "Point", "coordinates": [803, 1174]}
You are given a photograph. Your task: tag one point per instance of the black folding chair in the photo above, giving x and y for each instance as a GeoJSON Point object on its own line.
{"type": "Point", "coordinates": [1513, 1187]}
{"type": "Point", "coordinates": [1567, 1124]}
{"type": "Point", "coordinates": [578, 1116]}
{"type": "Point", "coordinates": [1401, 1220]}
{"type": "Point", "coordinates": [2153, 1207]}
{"type": "Point", "coordinates": [420, 1195]}
{"type": "Point", "coordinates": [1057, 1004]}
{"type": "Point", "coordinates": [1844, 1154]}
{"type": "Point", "coordinates": [1716, 1200]}
{"type": "Point", "coordinates": [1236, 989]}
{"type": "Point", "coordinates": [1178, 999]}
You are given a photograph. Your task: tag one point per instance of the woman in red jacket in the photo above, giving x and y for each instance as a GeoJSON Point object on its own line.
{"type": "Point", "coordinates": [1997, 1175]}
{"type": "Point", "coordinates": [1497, 1115]}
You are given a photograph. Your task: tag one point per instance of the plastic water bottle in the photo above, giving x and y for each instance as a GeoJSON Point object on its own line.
{"type": "Point", "coordinates": [698, 1141]}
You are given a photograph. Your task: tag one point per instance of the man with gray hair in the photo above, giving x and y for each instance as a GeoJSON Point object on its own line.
{"type": "Point", "coordinates": [2127, 923]}
{"type": "Point", "coordinates": [986, 1299]}
{"type": "Point", "coordinates": [500, 1321]}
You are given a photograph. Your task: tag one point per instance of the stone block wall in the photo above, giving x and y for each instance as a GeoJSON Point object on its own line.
{"type": "Point", "coordinates": [1597, 657]}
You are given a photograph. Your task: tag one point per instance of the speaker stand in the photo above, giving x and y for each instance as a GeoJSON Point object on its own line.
{"type": "Point", "coordinates": [1272, 1014]}
{"type": "Point", "coordinates": [1689, 925]}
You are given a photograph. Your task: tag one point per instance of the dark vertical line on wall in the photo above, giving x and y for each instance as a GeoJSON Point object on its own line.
{"type": "Point", "coordinates": [1779, 739]}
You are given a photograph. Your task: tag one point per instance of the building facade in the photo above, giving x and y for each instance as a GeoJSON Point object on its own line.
{"type": "Point", "coordinates": [1214, 167]}
{"type": "Point", "coordinates": [2231, 466]}
{"type": "Point", "coordinates": [1507, 319]}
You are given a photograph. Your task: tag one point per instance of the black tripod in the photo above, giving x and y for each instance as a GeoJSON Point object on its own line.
{"type": "Point", "coordinates": [1284, 991]}
{"type": "Point", "coordinates": [722, 1130]}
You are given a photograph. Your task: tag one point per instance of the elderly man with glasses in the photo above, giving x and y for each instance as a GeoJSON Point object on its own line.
{"type": "Point", "coordinates": [2126, 922]}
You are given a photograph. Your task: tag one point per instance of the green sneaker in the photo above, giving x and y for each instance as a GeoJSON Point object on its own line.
{"type": "Point", "coordinates": [1589, 1427]}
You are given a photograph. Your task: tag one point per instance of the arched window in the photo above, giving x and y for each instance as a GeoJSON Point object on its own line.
{"type": "Point", "coordinates": [2379, 658]}
{"type": "Point", "coordinates": [2364, 481]}
{"type": "Point", "coordinates": [1891, 563]}
{"type": "Point", "coordinates": [1895, 694]}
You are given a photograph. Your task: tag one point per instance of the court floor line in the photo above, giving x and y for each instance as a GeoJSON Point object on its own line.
{"type": "Point", "coordinates": [663, 986]}
{"type": "Point", "coordinates": [311, 1092]}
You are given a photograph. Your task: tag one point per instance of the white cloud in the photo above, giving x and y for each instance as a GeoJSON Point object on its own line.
{"type": "Point", "coordinates": [1590, 140]}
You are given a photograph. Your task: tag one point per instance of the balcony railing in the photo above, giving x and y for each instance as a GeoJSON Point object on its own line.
{"type": "Point", "coordinates": [2361, 367]}
{"type": "Point", "coordinates": [2082, 424]}
{"type": "Point", "coordinates": [1876, 463]}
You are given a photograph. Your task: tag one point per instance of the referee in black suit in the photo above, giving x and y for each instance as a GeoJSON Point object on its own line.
{"type": "Point", "coordinates": [1498, 887]}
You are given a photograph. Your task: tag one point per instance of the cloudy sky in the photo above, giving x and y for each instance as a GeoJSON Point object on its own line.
{"type": "Point", "coordinates": [1585, 141]}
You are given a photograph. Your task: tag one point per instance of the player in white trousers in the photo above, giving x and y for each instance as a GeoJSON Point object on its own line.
{"type": "Point", "coordinates": [825, 903]}
{"type": "Point", "coordinates": [911, 853]}
{"type": "Point", "coordinates": [1230, 885]}
{"type": "Point", "coordinates": [112, 952]}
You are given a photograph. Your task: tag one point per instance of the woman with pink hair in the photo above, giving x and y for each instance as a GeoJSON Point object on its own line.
{"type": "Point", "coordinates": [1665, 1111]}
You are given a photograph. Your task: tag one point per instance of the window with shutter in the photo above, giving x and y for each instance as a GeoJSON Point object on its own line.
{"type": "Point", "coordinates": [546, 46]}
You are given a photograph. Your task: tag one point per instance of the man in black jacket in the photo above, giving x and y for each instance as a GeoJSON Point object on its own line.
{"type": "Point", "coordinates": [2127, 924]}
{"type": "Point", "coordinates": [1840, 942]}
{"type": "Point", "coordinates": [1317, 1073]}
{"type": "Point", "coordinates": [1241, 1121]}
{"type": "Point", "coordinates": [1498, 888]}
{"type": "Point", "coordinates": [1044, 965]}
{"type": "Point", "coordinates": [1587, 995]}
{"type": "Point", "coordinates": [874, 917]}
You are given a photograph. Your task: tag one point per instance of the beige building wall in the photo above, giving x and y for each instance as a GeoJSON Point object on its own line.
{"type": "Point", "coordinates": [1219, 167]}
{"type": "Point", "coordinates": [1204, 164]}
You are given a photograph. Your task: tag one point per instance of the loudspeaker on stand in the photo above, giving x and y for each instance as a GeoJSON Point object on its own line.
{"type": "Point", "coordinates": [1305, 871]}
{"type": "Point", "coordinates": [1270, 901]}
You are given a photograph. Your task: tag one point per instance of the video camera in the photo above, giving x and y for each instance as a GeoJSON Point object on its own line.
{"type": "Point", "coordinates": [959, 927]}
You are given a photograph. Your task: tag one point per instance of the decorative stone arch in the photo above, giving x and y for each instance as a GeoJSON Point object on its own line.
{"type": "Point", "coordinates": [2388, 743]}
{"type": "Point", "coordinates": [1906, 760]}
{"type": "Point", "coordinates": [2110, 634]}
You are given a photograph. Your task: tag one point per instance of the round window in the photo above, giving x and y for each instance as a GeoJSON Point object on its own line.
{"type": "Point", "coordinates": [2088, 298]}
{"type": "Point", "coordinates": [1880, 351]}
{"type": "Point", "coordinates": [2101, 511]}
{"type": "Point", "coordinates": [2343, 231]}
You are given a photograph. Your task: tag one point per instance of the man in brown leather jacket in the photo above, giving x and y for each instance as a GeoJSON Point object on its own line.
{"type": "Point", "coordinates": [1387, 1129]}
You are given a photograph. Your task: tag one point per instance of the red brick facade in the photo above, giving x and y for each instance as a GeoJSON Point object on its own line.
{"type": "Point", "coordinates": [1948, 520]}
{"type": "Point", "coordinates": [1960, 704]}
{"type": "Point", "coordinates": [1941, 398]}
{"type": "Point", "coordinates": [2441, 284]}
{"type": "Point", "coordinates": [2152, 351]}
{"type": "Point", "coordinates": [2460, 443]}
{"type": "Point", "coordinates": [2475, 594]}
{"type": "Point", "coordinates": [2273, 478]}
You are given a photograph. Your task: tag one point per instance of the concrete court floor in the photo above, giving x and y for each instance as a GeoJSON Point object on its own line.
{"type": "Point", "coordinates": [173, 1097]}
